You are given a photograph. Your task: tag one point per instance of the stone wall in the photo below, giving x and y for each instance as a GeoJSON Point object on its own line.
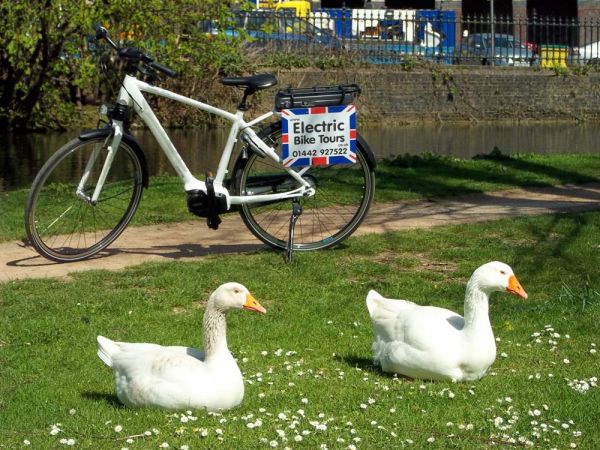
{"type": "Point", "coordinates": [588, 9]}
{"type": "Point", "coordinates": [446, 94]}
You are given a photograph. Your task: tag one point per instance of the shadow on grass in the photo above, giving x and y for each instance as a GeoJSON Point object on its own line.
{"type": "Point", "coordinates": [434, 176]}
{"type": "Point", "coordinates": [519, 164]}
{"type": "Point", "coordinates": [365, 364]}
{"type": "Point", "coordinates": [173, 252]}
{"type": "Point", "coordinates": [110, 399]}
{"type": "Point", "coordinates": [556, 238]}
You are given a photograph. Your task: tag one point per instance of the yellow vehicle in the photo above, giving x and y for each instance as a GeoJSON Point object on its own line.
{"type": "Point", "coordinates": [301, 8]}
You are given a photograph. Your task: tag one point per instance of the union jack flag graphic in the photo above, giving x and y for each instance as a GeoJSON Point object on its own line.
{"type": "Point", "coordinates": [313, 136]}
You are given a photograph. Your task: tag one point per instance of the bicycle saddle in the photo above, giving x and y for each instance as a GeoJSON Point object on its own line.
{"type": "Point", "coordinates": [254, 82]}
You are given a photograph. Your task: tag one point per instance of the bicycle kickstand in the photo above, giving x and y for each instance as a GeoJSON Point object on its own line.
{"type": "Point", "coordinates": [296, 212]}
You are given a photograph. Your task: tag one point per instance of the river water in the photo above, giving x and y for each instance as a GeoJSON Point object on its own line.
{"type": "Point", "coordinates": [22, 156]}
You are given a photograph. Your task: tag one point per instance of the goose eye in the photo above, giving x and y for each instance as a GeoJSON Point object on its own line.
{"type": "Point", "coordinates": [503, 272]}
{"type": "Point", "coordinates": [236, 291]}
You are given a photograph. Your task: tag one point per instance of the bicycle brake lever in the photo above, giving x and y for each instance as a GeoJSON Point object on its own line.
{"type": "Point", "coordinates": [145, 70]}
{"type": "Point", "coordinates": [101, 32]}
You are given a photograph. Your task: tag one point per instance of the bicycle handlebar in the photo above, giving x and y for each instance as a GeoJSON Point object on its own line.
{"type": "Point", "coordinates": [133, 54]}
{"type": "Point", "coordinates": [164, 69]}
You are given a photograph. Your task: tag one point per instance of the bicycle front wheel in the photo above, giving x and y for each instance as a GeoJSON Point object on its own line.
{"type": "Point", "coordinates": [343, 196]}
{"type": "Point", "coordinates": [64, 225]}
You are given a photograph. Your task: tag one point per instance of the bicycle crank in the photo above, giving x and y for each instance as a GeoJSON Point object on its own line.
{"type": "Point", "coordinates": [207, 204]}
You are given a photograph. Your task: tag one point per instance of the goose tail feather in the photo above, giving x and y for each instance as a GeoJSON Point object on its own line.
{"type": "Point", "coordinates": [372, 298]}
{"type": "Point", "coordinates": [106, 350]}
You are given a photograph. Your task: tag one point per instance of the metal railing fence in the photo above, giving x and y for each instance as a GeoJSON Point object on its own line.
{"type": "Point", "coordinates": [399, 36]}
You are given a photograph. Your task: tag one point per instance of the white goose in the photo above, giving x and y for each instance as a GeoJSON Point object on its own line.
{"type": "Point", "coordinates": [437, 344]}
{"type": "Point", "coordinates": [183, 377]}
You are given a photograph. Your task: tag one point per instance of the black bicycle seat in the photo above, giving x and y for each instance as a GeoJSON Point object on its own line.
{"type": "Point", "coordinates": [253, 82]}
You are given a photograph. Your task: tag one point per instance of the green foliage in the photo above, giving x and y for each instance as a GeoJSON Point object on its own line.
{"type": "Point", "coordinates": [47, 55]}
{"type": "Point", "coordinates": [299, 59]}
{"type": "Point", "coordinates": [560, 71]}
{"type": "Point", "coordinates": [333, 61]}
{"type": "Point", "coordinates": [581, 69]}
{"type": "Point", "coordinates": [409, 63]}
{"type": "Point", "coordinates": [287, 60]}
{"type": "Point", "coordinates": [33, 42]}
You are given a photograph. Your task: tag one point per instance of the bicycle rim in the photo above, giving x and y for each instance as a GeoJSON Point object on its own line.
{"type": "Point", "coordinates": [342, 200]}
{"type": "Point", "coordinates": [64, 227]}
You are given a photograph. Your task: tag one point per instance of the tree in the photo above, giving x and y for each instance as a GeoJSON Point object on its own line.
{"type": "Point", "coordinates": [45, 62]}
{"type": "Point", "coordinates": [32, 41]}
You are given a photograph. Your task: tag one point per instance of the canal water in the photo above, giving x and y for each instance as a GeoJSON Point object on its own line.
{"type": "Point", "coordinates": [22, 156]}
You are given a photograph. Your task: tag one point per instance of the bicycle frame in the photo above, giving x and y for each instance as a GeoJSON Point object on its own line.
{"type": "Point", "coordinates": [131, 95]}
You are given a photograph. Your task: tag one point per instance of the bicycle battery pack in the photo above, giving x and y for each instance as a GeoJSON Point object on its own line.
{"type": "Point", "coordinates": [343, 94]}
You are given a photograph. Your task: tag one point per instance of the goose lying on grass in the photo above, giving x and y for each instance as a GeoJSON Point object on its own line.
{"type": "Point", "coordinates": [435, 343]}
{"type": "Point", "coordinates": [183, 377]}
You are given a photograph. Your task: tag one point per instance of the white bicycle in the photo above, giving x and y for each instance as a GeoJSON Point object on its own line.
{"type": "Point", "coordinates": [86, 194]}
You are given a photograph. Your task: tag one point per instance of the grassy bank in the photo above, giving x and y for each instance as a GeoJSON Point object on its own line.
{"type": "Point", "coordinates": [409, 177]}
{"type": "Point", "coordinates": [309, 377]}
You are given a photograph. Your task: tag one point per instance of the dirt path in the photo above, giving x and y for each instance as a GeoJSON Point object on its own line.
{"type": "Point", "coordinates": [191, 240]}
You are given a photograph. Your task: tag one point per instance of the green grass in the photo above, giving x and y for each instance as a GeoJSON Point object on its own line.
{"type": "Point", "coordinates": [314, 344]}
{"type": "Point", "coordinates": [436, 176]}
{"type": "Point", "coordinates": [408, 177]}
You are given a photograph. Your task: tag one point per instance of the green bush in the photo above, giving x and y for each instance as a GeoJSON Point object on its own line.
{"type": "Point", "coordinates": [47, 53]}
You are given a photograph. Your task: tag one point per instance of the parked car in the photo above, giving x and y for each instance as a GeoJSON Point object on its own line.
{"type": "Point", "coordinates": [476, 48]}
{"type": "Point", "coordinates": [532, 46]}
{"type": "Point", "coordinates": [588, 54]}
{"type": "Point", "coordinates": [282, 28]}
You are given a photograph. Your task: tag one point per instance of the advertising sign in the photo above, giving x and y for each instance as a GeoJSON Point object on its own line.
{"type": "Point", "coordinates": [318, 136]}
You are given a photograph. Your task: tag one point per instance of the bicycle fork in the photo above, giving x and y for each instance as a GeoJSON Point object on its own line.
{"type": "Point", "coordinates": [117, 135]}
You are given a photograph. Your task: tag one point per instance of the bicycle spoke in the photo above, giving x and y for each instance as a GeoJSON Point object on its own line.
{"type": "Point", "coordinates": [343, 195]}
{"type": "Point", "coordinates": [64, 227]}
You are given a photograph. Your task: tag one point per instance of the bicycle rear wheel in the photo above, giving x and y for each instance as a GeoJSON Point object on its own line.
{"type": "Point", "coordinates": [343, 196]}
{"type": "Point", "coordinates": [63, 226]}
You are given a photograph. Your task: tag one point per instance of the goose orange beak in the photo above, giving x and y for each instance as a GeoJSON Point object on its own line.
{"type": "Point", "coordinates": [514, 287]}
{"type": "Point", "coordinates": [253, 305]}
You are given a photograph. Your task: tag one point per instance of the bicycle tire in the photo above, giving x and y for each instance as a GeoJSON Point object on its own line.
{"type": "Point", "coordinates": [343, 197]}
{"type": "Point", "coordinates": [65, 228]}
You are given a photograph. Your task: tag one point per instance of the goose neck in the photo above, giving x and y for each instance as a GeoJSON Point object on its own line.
{"type": "Point", "coordinates": [215, 332]}
{"type": "Point", "coordinates": [476, 307]}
